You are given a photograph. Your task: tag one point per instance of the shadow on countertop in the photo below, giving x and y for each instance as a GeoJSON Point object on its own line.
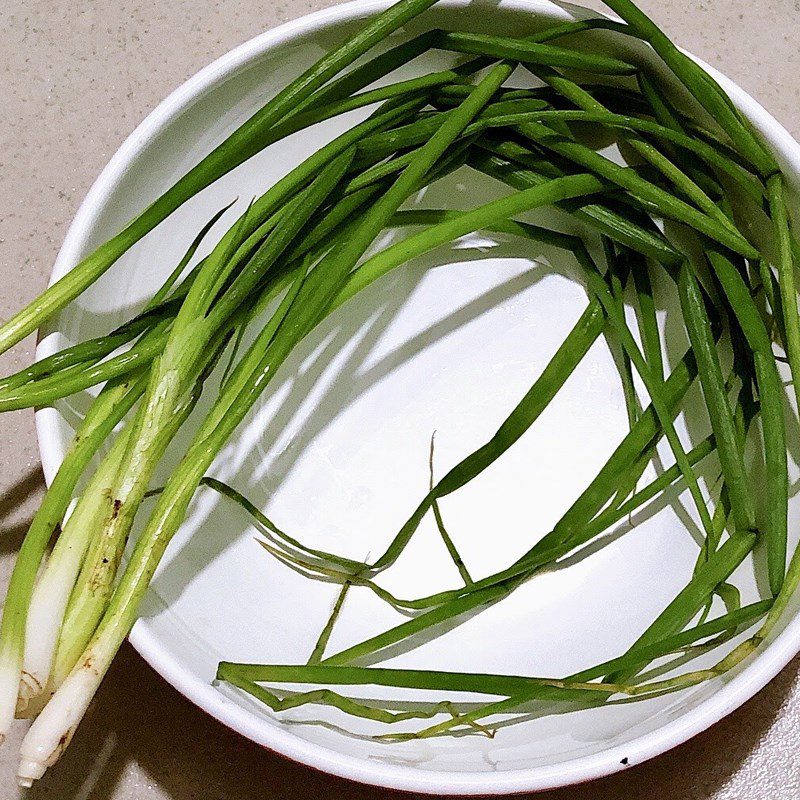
{"type": "Point", "coordinates": [184, 755]}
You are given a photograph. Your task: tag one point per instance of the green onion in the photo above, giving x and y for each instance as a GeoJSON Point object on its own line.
{"type": "Point", "coordinates": [70, 701]}
{"type": "Point", "coordinates": [704, 206]}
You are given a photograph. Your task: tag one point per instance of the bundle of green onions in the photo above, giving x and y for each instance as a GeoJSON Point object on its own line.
{"type": "Point", "coordinates": [684, 203]}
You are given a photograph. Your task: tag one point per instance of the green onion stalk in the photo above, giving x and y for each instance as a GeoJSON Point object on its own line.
{"type": "Point", "coordinates": [46, 738]}
{"type": "Point", "coordinates": [80, 612]}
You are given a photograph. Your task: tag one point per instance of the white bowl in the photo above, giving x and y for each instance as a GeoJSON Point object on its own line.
{"type": "Point", "coordinates": [338, 454]}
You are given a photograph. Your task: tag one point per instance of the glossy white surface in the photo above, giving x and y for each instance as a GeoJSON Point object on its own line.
{"type": "Point", "coordinates": [364, 465]}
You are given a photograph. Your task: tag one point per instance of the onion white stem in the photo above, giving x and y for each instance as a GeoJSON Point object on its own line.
{"type": "Point", "coordinates": [52, 593]}
{"type": "Point", "coordinates": [106, 411]}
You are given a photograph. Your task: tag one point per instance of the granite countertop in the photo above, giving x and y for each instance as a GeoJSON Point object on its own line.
{"type": "Point", "coordinates": [77, 77]}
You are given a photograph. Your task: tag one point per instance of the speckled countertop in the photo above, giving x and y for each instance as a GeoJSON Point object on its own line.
{"type": "Point", "coordinates": [77, 77]}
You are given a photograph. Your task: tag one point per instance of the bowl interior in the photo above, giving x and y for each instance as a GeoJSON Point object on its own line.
{"type": "Point", "coordinates": [337, 453]}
